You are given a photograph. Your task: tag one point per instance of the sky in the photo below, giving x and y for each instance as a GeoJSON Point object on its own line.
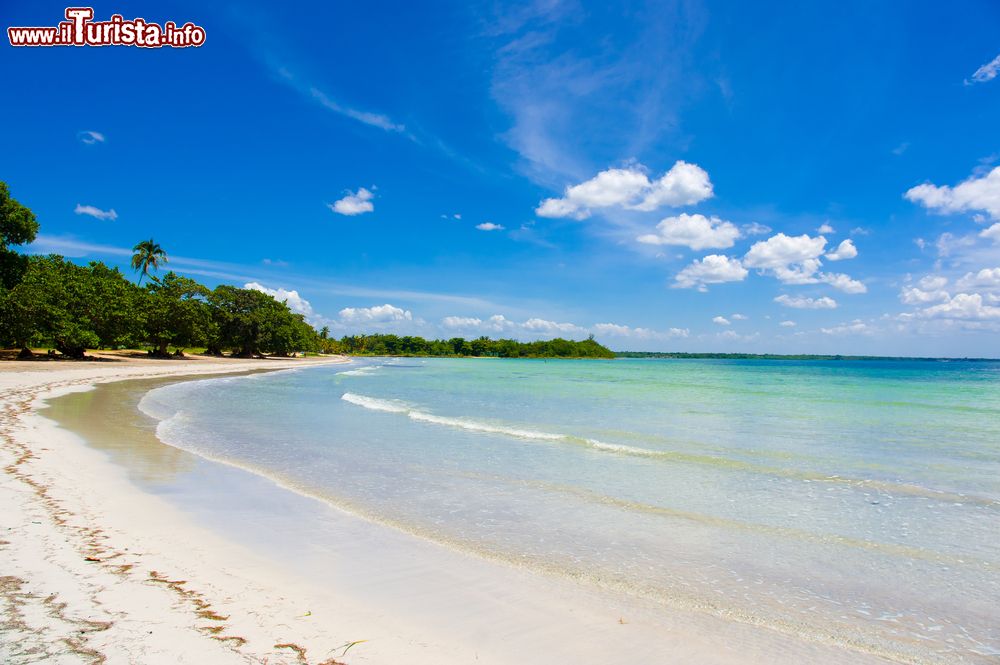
{"type": "Point", "coordinates": [667, 176]}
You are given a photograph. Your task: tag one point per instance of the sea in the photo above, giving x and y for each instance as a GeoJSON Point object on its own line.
{"type": "Point", "coordinates": [853, 502]}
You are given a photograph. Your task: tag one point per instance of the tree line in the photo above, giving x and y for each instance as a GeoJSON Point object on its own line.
{"type": "Point", "coordinates": [49, 302]}
{"type": "Point", "coordinates": [394, 345]}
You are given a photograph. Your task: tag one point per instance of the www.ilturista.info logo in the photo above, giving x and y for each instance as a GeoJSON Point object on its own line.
{"type": "Point", "coordinates": [79, 29]}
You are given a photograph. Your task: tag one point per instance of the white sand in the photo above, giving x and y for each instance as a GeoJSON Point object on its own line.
{"type": "Point", "coordinates": [93, 569]}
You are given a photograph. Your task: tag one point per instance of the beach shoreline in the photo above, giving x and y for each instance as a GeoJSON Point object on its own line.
{"type": "Point", "coordinates": [98, 570]}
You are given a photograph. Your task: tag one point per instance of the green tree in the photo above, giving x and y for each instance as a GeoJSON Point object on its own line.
{"type": "Point", "coordinates": [115, 311]}
{"type": "Point", "coordinates": [176, 313]}
{"type": "Point", "coordinates": [148, 253]}
{"type": "Point", "coordinates": [17, 227]}
{"type": "Point", "coordinates": [48, 307]}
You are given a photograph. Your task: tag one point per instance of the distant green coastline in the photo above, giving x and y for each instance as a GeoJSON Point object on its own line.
{"type": "Point", "coordinates": [778, 356]}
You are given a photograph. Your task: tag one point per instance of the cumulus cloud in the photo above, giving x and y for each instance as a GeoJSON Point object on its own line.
{"type": "Point", "coordinates": [796, 260]}
{"type": "Point", "coordinates": [720, 321]}
{"type": "Point", "coordinates": [800, 302]}
{"type": "Point", "coordinates": [500, 324]}
{"type": "Point", "coordinates": [95, 212]}
{"type": "Point", "coordinates": [354, 203]}
{"type": "Point", "coordinates": [842, 282]}
{"type": "Point", "coordinates": [845, 250]}
{"type": "Point", "coordinates": [976, 193]}
{"type": "Point", "coordinates": [987, 72]}
{"type": "Point", "coordinates": [295, 302]}
{"type": "Point", "coordinates": [713, 269]}
{"type": "Point", "coordinates": [90, 137]}
{"type": "Point", "coordinates": [617, 330]}
{"type": "Point", "coordinates": [631, 189]}
{"type": "Point", "coordinates": [825, 228]}
{"type": "Point", "coordinates": [986, 279]}
{"type": "Point", "coordinates": [739, 317]}
{"type": "Point", "coordinates": [489, 226]}
{"type": "Point", "coordinates": [694, 231]}
{"type": "Point", "coordinates": [378, 314]}
{"type": "Point", "coordinates": [964, 306]}
{"type": "Point", "coordinates": [855, 327]}
{"type": "Point", "coordinates": [792, 259]}
{"type": "Point", "coordinates": [929, 289]}
{"type": "Point", "coordinates": [992, 233]}
{"type": "Point", "coordinates": [787, 324]}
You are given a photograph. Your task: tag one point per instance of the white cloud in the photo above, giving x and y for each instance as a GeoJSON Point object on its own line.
{"type": "Point", "coordinates": [825, 228]}
{"type": "Point", "coordinates": [295, 302]}
{"type": "Point", "coordinates": [842, 282]}
{"type": "Point", "coordinates": [992, 233]}
{"type": "Point", "coordinates": [378, 314]}
{"type": "Point", "coordinates": [536, 325]}
{"type": "Point", "coordinates": [616, 330]}
{"type": "Point", "coordinates": [374, 119]}
{"type": "Point", "coordinates": [95, 212]}
{"type": "Point", "coordinates": [683, 184]}
{"type": "Point", "coordinates": [929, 289]}
{"type": "Point", "coordinates": [855, 327]}
{"type": "Point", "coordinates": [354, 203]}
{"type": "Point", "coordinates": [796, 260]}
{"type": "Point", "coordinates": [739, 317]}
{"type": "Point", "coordinates": [964, 306]}
{"type": "Point", "coordinates": [90, 137]}
{"type": "Point", "coordinates": [630, 188]}
{"type": "Point", "coordinates": [694, 231]}
{"type": "Point", "coordinates": [792, 259]}
{"type": "Point", "coordinates": [845, 250]}
{"type": "Point", "coordinates": [975, 193]}
{"type": "Point", "coordinates": [500, 324]}
{"type": "Point", "coordinates": [788, 324]}
{"type": "Point", "coordinates": [713, 269]}
{"type": "Point", "coordinates": [798, 302]}
{"type": "Point", "coordinates": [986, 279]}
{"type": "Point", "coordinates": [489, 226]}
{"type": "Point", "coordinates": [933, 282]}
{"type": "Point", "coordinates": [987, 72]}
{"type": "Point", "coordinates": [720, 321]}
{"type": "Point", "coordinates": [755, 229]}
{"type": "Point", "coordinates": [455, 322]}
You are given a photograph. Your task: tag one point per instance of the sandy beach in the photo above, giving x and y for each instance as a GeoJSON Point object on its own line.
{"type": "Point", "coordinates": [95, 569]}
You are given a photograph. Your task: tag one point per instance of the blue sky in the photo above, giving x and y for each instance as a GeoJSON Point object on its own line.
{"type": "Point", "coordinates": [667, 176]}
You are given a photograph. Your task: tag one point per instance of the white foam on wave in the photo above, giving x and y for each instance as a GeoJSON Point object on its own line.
{"type": "Point", "coordinates": [392, 406]}
{"type": "Point", "coordinates": [361, 371]}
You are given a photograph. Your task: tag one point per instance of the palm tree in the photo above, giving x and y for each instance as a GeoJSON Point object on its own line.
{"type": "Point", "coordinates": [147, 253]}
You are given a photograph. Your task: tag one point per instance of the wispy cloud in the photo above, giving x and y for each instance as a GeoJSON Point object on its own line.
{"type": "Point", "coordinates": [90, 137]}
{"type": "Point", "coordinates": [95, 212]}
{"type": "Point", "coordinates": [987, 72]}
{"type": "Point", "coordinates": [625, 97]}
{"type": "Point", "coordinates": [489, 226]}
{"type": "Point", "coordinates": [374, 119]}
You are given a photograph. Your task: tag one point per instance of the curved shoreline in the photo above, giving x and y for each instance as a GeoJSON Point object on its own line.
{"type": "Point", "coordinates": [213, 600]}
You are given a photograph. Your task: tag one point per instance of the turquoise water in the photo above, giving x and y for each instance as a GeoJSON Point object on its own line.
{"type": "Point", "coordinates": [853, 502]}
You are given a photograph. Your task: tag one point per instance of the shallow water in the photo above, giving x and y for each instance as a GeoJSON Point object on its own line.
{"type": "Point", "coordinates": [855, 502]}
